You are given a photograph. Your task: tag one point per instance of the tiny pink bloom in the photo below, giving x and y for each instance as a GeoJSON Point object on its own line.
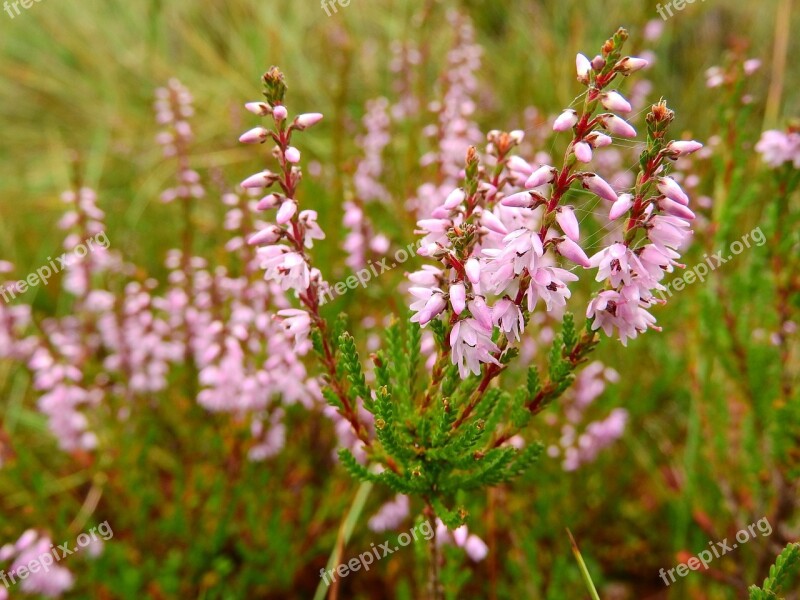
{"type": "Point", "coordinates": [268, 235]}
{"type": "Point", "coordinates": [598, 140]}
{"type": "Point", "coordinates": [258, 108]}
{"type": "Point", "coordinates": [257, 135]}
{"type": "Point", "coordinates": [259, 180]}
{"type": "Point", "coordinates": [292, 155]}
{"type": "Point", "coordinates": [286, 212]}
{"type": "Point", "coordinates": [454, 198]}
{"type": "Point", "coordinates": [566, 120]}
{"type": "Point", "coordinates": [481, 312]}
{"type": "Point", "coordinates": [565, 217]}
{"type": "Point", "coordinates": [617, 126]}
{"type": "Point", "coordinates": [675, 209]}
{"type": "Point", "coordinates": [596, 184]}
{"type": "Point", "coordinates": [572, 251]}
{"type": "Point", "coordinates": [491, 222]}
{"type": "Point", "coordinates": [670, 188]}
{"type": "Point", "coordinates": [508, 317]}
{"type": "Point", "coordinates": [307, 120]}
{"type": "Point", "coordinates": [518, 200]}
{"type": "Point", "coordinates": [583, 67]}
{"type": "Point", "coordinates": [621, 206]}
{"type": "Point", "coordinates": [458, 297]}
{"type": "Point", "coordinates": [583, 152]}
{"type": "Point", "coordinates": [615, 101]}
{"type": "Point", "coordinates": [269, 201]}
{"type": "Point", "coordinates": [473, 270]}
{"type": "Point", "coordinates": [279, 113]}
{"type": "Point", "coordinates": [682, 148]}
{"type": "Point", "coordinates": [630, 64]}
{"type": "Point", "coordinates": [430, 303]}
{"type": "Point", "coordinates": [751, 66]}
{"type": "Point", "coordinates": [542, 175]}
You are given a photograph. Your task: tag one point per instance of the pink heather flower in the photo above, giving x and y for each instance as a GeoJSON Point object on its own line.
{"type": "Point", "coordinates": [616, 263]}
{"type": "Point", "coordinates": [286, 212]}
{"type": "Point", "coordinates": [542, 175]}
{"type": "Point", "coordinates": [261, 109]}
{"type": "Point", "coordinates": [269, 201]}
{"type": "Point", "coordinates": [492, 223]}
{"type": "Point", "coordinates": [430, 303]}
{"type": "Point", "coordinates": [391, 514]}
{"type": "Point", "coordinates": [597, 139]}
{"type": "Point", "coordinates": [621, 311]}
{"type": "Point", "coordinates": [454, 199]}
{"type": "Point", "coordinates": [311, 229]}
{"type": "Point", "coordinates": [259, 180]}
{"type": "Point", "coordinates": [615, 101]}
{"type": "Point", "coordinates": [675, 209]}
{"type": "Point", "coordinates": [508, 317]}
{"type": "Point", "coordinates": [518, 200]}
{"type": "Point", "coordinates": [682, 148]}
{"type": "Point", "coordinates": [519, 166]}
{"type": "Point", "coordinates": [428, 276]}
{"type": "Point", "coordinates": [523, 250]}
{"type": "Point", "coordinates": [566, 120]}
{"type": "Point", "coordinates": [621, 206]}
{"type": "Point", "coordinates": [268, 235]}
{"type": "Point", "coordinates": [597, 185]}
{"type": "Point", "coordinates": [286, 268]}
{"type": "Point", "coordinates": [297, 323]}
{"type": "Point", "coordinates": [471, 345]}
{"type": "Point", "coordinates": [572, 251]}
{"type": "Point", "coordinates": [778, 147]}
{"type": "Point", "coordinates": [458, 297]}
{"type": "Point", "coordinates": [481, 312]}
{"type": "Point", "coordinates": [565, 217]}
{"type": "Point", "coordinates": [307, 120]}
{"type": "Point", "coordinates": [617, 126]}
{"type": "Point", "coordinates": [257, 135]}
{"type": "Point", "coordinates": [292, 155]}
{"type": "Point", "coordinates": [583, 152]}
{"type": "Point", "coordinates": [473, 270]}
{"type": "Point", "coordinates": [279, 113]}
{"type": "Point", "coordinates": [630, 64]}
{"type": "Point", "coordinates": [670, 188]}
{"type": "Point", "coordinates": [583, 67]}
{"type": "Point", "coordinates": [550, 284]}
{"type": "Point", "coordinates": [751, 65]}
{"type": "Point", "coordinates": [665, 230]}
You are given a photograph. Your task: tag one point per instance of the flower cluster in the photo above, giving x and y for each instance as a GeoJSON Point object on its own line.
{"type": "Point", "coordinates": [498, 243]}
{"type": "Point", "coordinates": [780, 147]}
{"type": "Point", "coordinates": [31, 545]}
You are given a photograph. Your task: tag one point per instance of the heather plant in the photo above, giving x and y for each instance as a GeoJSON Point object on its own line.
{"type": "Point", "coordinates": [499, 241]}
{"type": "Point", "coordinates": [187, 379]}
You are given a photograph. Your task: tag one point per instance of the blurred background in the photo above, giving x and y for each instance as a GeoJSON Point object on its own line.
{"type": "Point", "coordinates": [703, 453]}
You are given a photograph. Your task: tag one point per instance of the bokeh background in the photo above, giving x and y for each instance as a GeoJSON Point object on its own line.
{"type": "Point", "coordinates": [191, 517]}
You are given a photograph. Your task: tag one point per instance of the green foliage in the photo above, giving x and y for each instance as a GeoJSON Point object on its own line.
{"type": "Point", "coordinates": [785, 567]}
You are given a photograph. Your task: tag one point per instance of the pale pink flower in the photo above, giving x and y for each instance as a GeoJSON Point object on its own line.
{"type": "Point", "coordinates": [617, 126]}
{"type": "Point", "coordinates": [458, 297]}
{"type": "Point", "coordinates": [471, 345]}
{"type": "Point", "coordinates": [566, 120]}
{"type": "Point", "coordinates": [621, 206]}
{"type": "Point", "coordinates": [508, 317]}
{"type": "Point", "coordinates": [615, 101]}
{"type": "Point", "coordinates": [583, 152]}
{"type": "Point", "coordinates": [296, 323]}
{"type": "Point", "coordinates": [430, 303]}
{"type": "Point", "coordinates": [565, 217]}
{"type": "Point", "coordinates": [597, 185]}
{"type": "Point", "coordinates": [550, 284]}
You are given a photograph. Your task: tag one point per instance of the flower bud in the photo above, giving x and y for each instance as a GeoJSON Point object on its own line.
{"type": "Point", "coordinates": [621, 206]}
{"type": "Point", "coordinates": [670, 188]}
{"type": "Point", "coordinates": [454, 198]}
{"type": "Point", "coordinates": [307, 120]}
{"type": "Point", "coordinates": [565, 217]}
{"type": "Point", "coordinates": [542, 175]}
{"type": "Point", "coordinates": [286, 212]}
{"type": "Point", "coordinates": [566, 120]}
{"type": "Point", "coordinates": [583, 152]}
{"type": "Point", "coordinates": [261, 109]}
{"type": "Point", "coordinates": [682, 148]}
{"type": "Point", "coordinates": [617, 126]}
{"type": "Point", "coordinates": [268, 235]}
{"type": "Point", "coordinates": [458, 297]}
{"type": "Point", "coordinates": [259, 180]}
{"type": "Point", "coordinates": [279, 113]}
{"type": "Point", "coordinates": [583, 67]}
{"type": "Point", "coordinates": [597, 185]}
{"type": "Point", "coordinates": [473, 270]}
{"type": "Point", "coordinates": [292, 155]}
{"type": "Point", "coordinates": [257, 135]}
{"type": "Point", "coordinates": [572, 251]}
{"type": "Point", "coordinates": [615, 101]}
{"type": "Point", "coordinates": [630, 64]}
